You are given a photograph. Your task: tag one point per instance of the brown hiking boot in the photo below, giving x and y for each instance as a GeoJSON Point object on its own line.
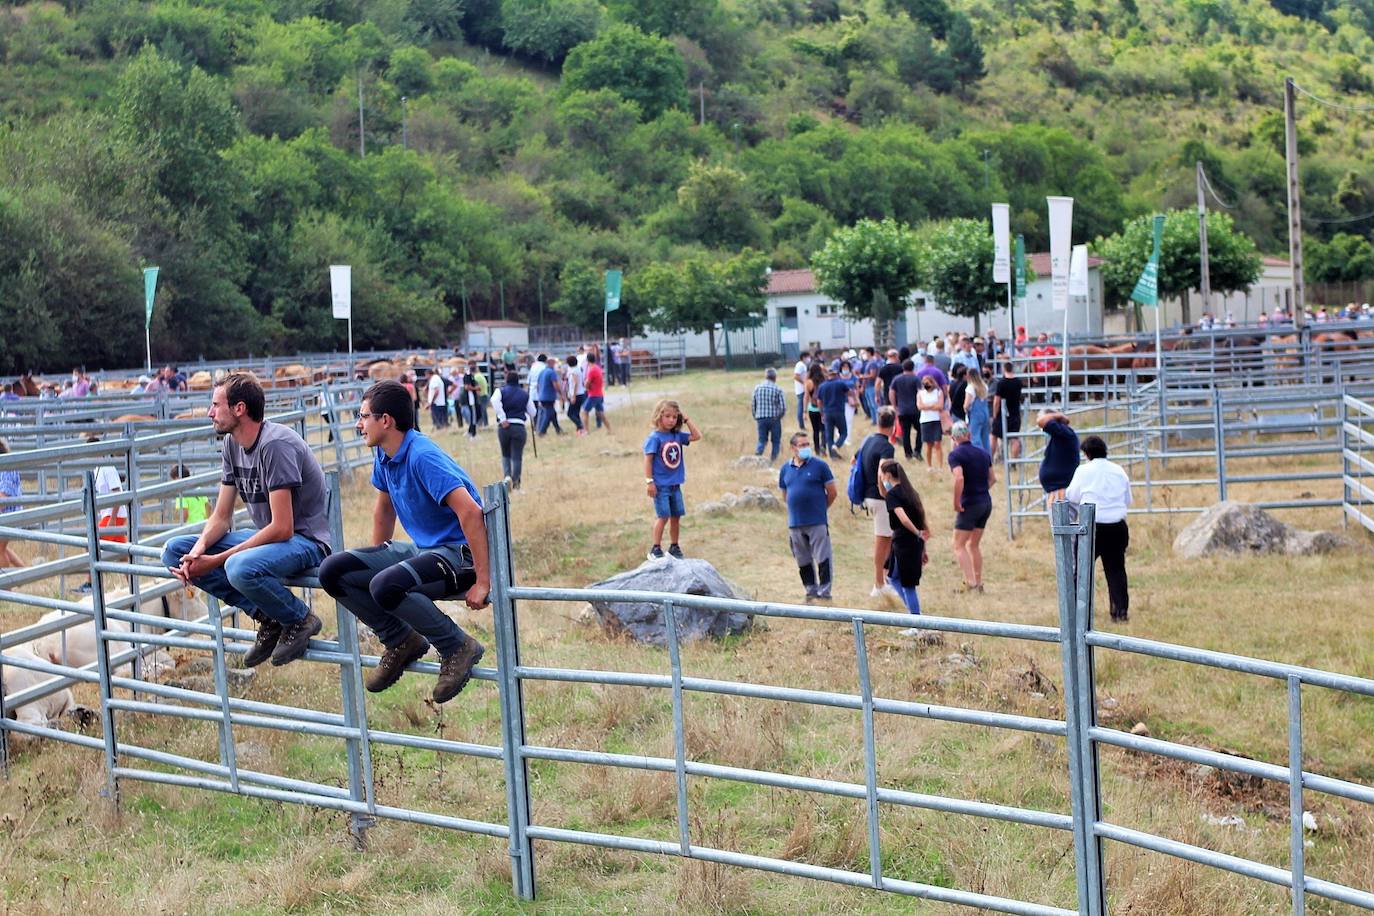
{"type": "Point", "coordinates": [394, 661]}
{"type": "Point", "coordinates": [456, 669]}
{"type": "Point", "coordinates": [295, 640]}
{"type": "Point", "coordinates": [269, 631]}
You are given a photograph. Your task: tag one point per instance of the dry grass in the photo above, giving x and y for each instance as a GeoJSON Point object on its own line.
{"type": "Point", "coordinates": [582, 516]}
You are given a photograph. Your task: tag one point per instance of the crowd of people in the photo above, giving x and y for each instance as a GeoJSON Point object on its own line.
{"type": "Point", "coordinates": [960, 388]}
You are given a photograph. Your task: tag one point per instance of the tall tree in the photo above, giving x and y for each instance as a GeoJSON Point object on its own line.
{"type": "Point", "coordinates": [1233, 261]}
{"type": "Point", "coordinates": [643, 68]}
{"type": "Point", "coordinates": [867, 267]}
{"type": "Point", "coordinates": [702, 291]}
{"type": "Point", "coordinates": [956, 268]}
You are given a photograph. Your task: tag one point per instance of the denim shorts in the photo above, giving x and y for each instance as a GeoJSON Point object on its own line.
{"type": "Point", "coordinates": [597, 403]}
{"type": "Point", "coordinates": [668, 502]}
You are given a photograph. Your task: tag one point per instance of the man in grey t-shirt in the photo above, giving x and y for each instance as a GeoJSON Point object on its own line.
{"type": "Point", "coordinates": [281, 483]}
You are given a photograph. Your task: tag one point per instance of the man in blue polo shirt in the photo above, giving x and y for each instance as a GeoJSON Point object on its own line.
{"type": "Point", "coordinates": [810, 489]}
{"type": "Point", "coordinates": [834, 395]}
{"type": "Point", "coordinates": [392, 586]}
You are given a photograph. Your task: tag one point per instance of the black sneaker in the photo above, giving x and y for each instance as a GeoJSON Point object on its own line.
{"type": "Point", "coordinates": [295, 639]}
{"type": "Point", "coordinates": [394, 662]}
{"type": "Point", "coordinates": [269, 631]}
{"type": "Point", "coordinates": [675, 552]}
{"type": "Point", "coordinates": [455, 670]}
{"type": "Point", "coordinates": [656, 552]}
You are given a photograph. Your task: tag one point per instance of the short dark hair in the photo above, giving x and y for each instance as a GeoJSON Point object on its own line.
{"type": "Point", "coordinates": [1093, 447]}
{"type": "Point", "coordinates": [391, 398]}
{"type": "Point", "coordinates": [798, 435]}
{"type": "Point", "coordinates": [244, 388]}
{"type": "Point", "coordinates": [887, 417]}
{"type": "Point", "coordinates": [908, 365]}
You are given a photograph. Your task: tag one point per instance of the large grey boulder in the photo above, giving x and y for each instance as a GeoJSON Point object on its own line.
{"type": "Point", "coordinates": [645, 622]}
{"type": "Point", "coordinates": [1232, 527]}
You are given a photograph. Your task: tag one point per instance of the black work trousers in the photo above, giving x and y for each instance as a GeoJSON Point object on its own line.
{"type": "Point", "coordinates": [1112, 539]}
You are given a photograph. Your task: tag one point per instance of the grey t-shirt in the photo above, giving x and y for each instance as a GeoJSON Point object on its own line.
{"type": "Point", "coordinates": [279, 459]}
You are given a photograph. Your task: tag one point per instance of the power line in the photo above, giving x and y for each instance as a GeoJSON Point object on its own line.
{"type": "Point", "coordinates": [1207, 183]}
{"type": "Point", "coordinates": [1353, 219]}
{"type": "Point", "coordinates": [1321, 101]}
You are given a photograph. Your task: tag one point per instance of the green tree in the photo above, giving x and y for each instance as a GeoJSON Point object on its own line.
{"type": "Point", "coordinates": [582, 294]}
{"type": "Point", "coordinates": [548, 29]}
{"type": "Point", "coordinates": [720, 207]}
{"type": "Point", "coordinates": [409, 71]}
{"type": "Point", "coordinates": [868, 266]}
{"type": "Point", "coordinates": [700, 292]}
{"type": "Point", "coordinates": [665, 17]}
{"type": "Point", "coordinates": [1345, 258]}
{"type": "Point", "coordinates": [1232, 259]}
{"type": "Point", "coordinates": [643, 68]}
{"type": "Point", "coordinates": [956, 268]}
{"type": "Point", "coordinates": [965, 51]}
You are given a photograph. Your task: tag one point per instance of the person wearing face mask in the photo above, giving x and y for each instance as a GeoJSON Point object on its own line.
{"type": "Point", "coordinates": [810, 489]}
{"type": "Point", "coordinates": [930, 401]}
{"type": "Point", "coordinates": [910, 533]}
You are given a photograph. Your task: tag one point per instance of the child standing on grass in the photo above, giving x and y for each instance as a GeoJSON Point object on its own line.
{"type": "Point", "coordinates": [664, 473]}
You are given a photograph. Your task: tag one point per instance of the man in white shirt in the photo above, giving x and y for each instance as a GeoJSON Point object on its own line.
{"type": "Point", "coordinates": [436, 398]}
{"type": "Point", "coordinates": [799, 386]}
{"type": "Point", "coordinates": [1106, 485]}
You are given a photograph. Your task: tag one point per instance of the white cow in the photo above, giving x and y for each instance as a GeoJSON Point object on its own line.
{"type": "Point", "coordinates": [40, 712]}
{"type": "Point", "coordinates": [79, 640]}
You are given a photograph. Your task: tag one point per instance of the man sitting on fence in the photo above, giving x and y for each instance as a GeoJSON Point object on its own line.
{"type": "Point", "coordinates": [281, 483]}
{"type": "Point", "coordinates": [392, 586]}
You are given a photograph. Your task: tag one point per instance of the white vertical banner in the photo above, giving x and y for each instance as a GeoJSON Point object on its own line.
{"type": "Point", "coordinates": [1078, 283]}
{"type": "Point", "coordinates": [1001, 243]}
{"type": "Point", "coordinates": [1061, 230]}
{"type": "Point", "coordinates": [341, 290]}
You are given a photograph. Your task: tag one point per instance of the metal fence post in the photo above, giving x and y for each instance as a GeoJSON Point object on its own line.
{"type": "Point", "coordinates": [875, 857]}
{"type": "Point", "coordinates": [360, 786]}
{"type": "Point", "coordinates": [679, 730]}
{"type": "Point", "coordinates": [227, 753]}
{"type": "Point", "coordinates": [331, 413]}
{"type": "Point", "coordinates": [1073, 563]}
{"type": "Point", "coordinates": [1297, 856]}
{"type": "Point", "coordinates": [102, 648]}
{"type": "Point", "coordinates": [1219, 431]}
{"type": "Point", "coordinates": [511, 695]}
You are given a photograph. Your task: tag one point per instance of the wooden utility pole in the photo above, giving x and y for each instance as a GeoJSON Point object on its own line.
{"type": "Point", "coordinates": [362, 133]}
{"type": "Point", "coordinates": [1290, 127]}
{"type": "Point", "coordinates": [1206, 287]}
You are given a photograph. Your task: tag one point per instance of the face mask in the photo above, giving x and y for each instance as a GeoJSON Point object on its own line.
{"type": "Point", "coordinates": [804, 453]}
{"type": "Point", "coordinates": [887, 485]}
{"type": "Point", "coordinates": [846, 374]}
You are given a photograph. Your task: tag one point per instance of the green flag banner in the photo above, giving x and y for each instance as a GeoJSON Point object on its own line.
{"type": "Point", "coordinates": [612, 290]}
{"type": "Point", "coordinates": [1146, 290]}
{"type": "Point", "coordinates": [149, 290]}
{"type": "Point", "coordinates": [1020, 267]}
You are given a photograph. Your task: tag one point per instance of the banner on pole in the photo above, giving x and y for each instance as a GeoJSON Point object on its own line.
{"type": "Point", "coordinates": [612, 290]}
{"type": "Point", "coordinates": [1001, 247]}
{"type": "Point", "coordinates": [1061, 231]}
{"type": "Point", "coordinates": [1146, 290]}
{"type": "Point", "coordinates": [341, 290]}
{"type": "Point", "coordinates": [1078, 271]}
{"type": "Point", "coordinates": [149, 291]}
{"type": "Point", "coordinates": [1020, 267]}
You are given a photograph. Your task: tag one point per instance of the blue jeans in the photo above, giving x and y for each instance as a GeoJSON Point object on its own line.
{"type": "Point", "coordinates": [769, 427]}
{"type": "Point", "coordinates": [668, 502]}
{"type": "Point", "coordinates": [801, 411]}
{"type": "Point", "coordinates": [546, 414]}
{"type": "Point", "coordinates": [836, 429]}
{"type": "Point", "coordinates": [870, 407]}
{"type": "Point", "coordinates": [252, 579]}
{"type": "Point", "coordinates": [908, 595]}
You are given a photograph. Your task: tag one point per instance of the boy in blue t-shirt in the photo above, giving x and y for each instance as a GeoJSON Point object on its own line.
{"type": "Point", "coordinates": [392, 586]}
{"type": "Point", "coordinates": [664, 473]}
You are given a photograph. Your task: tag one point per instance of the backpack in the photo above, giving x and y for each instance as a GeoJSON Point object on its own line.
{"type": "Point", "coordinates": [854, 491]}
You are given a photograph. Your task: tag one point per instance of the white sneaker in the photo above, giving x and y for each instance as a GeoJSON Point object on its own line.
{"type": "Point", "coordinates": [889, 591]}
{"type": "Point", "coordinates": [876, 593]}
{"type": "Point", "coordinates": [910, 631]}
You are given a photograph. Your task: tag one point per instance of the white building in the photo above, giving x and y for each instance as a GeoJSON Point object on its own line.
{"type": "Point", "coordinates": [496, 335]}
{"type": "Point", "coordinates": [806, 319]}
{"type": "Point", "coordinates": [1273, 288]}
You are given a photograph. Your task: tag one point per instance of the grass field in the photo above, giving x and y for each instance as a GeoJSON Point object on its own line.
{"type": "Point", "coordinates": [581, 516]}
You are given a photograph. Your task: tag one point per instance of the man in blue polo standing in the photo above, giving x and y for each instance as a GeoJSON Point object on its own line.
{"type": "Point", "coordinates": [810, 488]}
{"type": "Point", "coordinates": [392, 585]}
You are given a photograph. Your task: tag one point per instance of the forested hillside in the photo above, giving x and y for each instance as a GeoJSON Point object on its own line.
{"type": "Point", "coordinates": [516, 148]}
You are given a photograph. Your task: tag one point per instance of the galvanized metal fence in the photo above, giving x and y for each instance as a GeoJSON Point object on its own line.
{"type": "Point", "coordinates": [1078, 641]}
{"type": "Point", "coordinates": [1357, 456]}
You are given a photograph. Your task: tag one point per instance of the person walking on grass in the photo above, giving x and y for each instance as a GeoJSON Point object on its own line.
{"type": "Point", "coordinates": [576, 389]}
{"type": "Point", "coordinates": [874, 450]}
{"type": "Point", "coordinates": [665, 471]}
{"type": "Point", "coordinates": [1106, 485]}
{"type": "Point", "coordinates": [976, 409]}
{"type": "Point", "coordinates": [902, 397]}
{"type": "Point", "coordinates": [834, 395]}
{"type": "Point", "coordinates": [514, 413]}
{"type": "Point", "coordinates": [768, 407]}
{"type": "Point", "coordinates": [596, 394]}
{"type": "Point", "coordinates": [910, 533]}
{"type": "Point", "coordinates": [809, 486]}
{"type": "Point", "coordinates": [973, 480]}
{"type": "Point", "coordinates": [392, 585]}
{"type": "Point", "coordinates": [1006, 404]}
{"type": "Point", "coordinates": [280, 480]}
{"type": "Point", "coordinates": [930, 405]}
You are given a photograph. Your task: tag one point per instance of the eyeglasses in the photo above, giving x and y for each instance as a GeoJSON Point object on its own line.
{"type": "Point", "coordinates": [364, 415]}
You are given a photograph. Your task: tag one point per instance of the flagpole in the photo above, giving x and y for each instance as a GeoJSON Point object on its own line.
{"type": "Point", "coordinates": [147, 349]}
{"type": "Point", "coordinates": [1066, 357]}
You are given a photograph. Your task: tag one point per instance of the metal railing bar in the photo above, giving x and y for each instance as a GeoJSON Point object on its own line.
{"type": "Point", "coordinates": [1228, 662]}
{"type": "Point", "coordinates": [802, 612]}
{"type": "Point", "coordinates": [206, 715]}
{"type": "Point", "coordinates": [991, 811]}
{"type": "Point", "coordinates": [799, 870]}
{"type": "Point", "coordinates": [798, 695]}
{"type": "Point", "coordinates": [443, 745]}
{"type": "Point", "coordinates": [215, 769]}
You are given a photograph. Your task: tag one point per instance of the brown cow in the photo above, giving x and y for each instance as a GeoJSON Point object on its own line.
{"type": "Point", "coordinates": [383, 369]}
{"type": "Point", "coordinates": [199, 381]}
{"type": "Point", "coordinates": [195, 413]}
{"type": "Point", "coordinates": [134, 418]}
